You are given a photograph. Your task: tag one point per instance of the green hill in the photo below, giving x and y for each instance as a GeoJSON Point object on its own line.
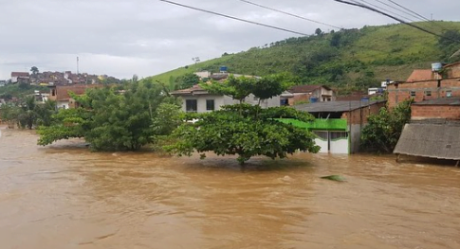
{"type": "Point", "coordinates": [354, 57]}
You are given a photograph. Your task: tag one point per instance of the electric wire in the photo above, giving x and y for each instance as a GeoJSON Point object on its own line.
{"type": "Point", "coordinates": [365, 3]}
{"type": "Point", "coordinates": [290, 14]}
{"type": "Point", "coordinates": [395, 18]}
{"type": "Point", "coordinates": [234, 18]}
{"type": "Point", "coordinates": [402, 10]}
{"type": "Point", "coordinates": [415, 13]}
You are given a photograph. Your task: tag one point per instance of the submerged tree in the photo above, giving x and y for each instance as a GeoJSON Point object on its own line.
{"type": "Point", "coordinates": [384, 129]}
{"type": "Point", "coordinates": [245, 130]}
{"type": "Point", "coordinates": [110, 120]}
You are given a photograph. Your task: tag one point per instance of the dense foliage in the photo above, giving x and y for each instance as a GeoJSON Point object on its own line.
{"type": "Point", "coordinates": [384, 129]}
{"type": "Point", "coordinates": [28, 113]}
{"type": "Point", "coordinates": [242, 129]}
{"type": "Point", "coordinates": [109, 119]}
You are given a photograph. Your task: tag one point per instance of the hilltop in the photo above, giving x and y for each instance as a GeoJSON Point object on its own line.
{"type": "Point", "coordinates": [353, 57]}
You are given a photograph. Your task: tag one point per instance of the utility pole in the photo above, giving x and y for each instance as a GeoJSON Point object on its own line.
{"type": "Point", "coordinates": [78, 66]}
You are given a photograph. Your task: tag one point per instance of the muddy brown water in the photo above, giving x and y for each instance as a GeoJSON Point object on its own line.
{"type": "Point", "coordinates": [63, 196]}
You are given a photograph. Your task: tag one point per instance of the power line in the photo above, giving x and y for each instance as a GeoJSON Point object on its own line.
{"type": "Point", "coordinates": [290, 14]}
{"type": "Point", "coordinates": [363, 2]}
{"type": "Point", "coordinates": [401, 10]}
{"type": "Point", "coordinates": [415, 13]}
{"type": "Point", "coordinates": [234, 18]}
{"type": "Point", "coordinates": [395, 18]}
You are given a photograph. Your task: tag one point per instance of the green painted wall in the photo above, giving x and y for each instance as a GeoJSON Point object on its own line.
{"type": "Point", "coordinates": [319, 124]}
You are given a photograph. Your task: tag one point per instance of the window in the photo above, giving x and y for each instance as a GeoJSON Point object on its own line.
{"type": "Point", "coordinates": [210, 106]}
{"type": "Point", "coordinates": [191, 105]}
{"type": "Point", "coordinates": [448, 93]}
{"type": "Point", "coordinates": [428, 93]}
{"type": "Point", "coordinates": [412, 93]}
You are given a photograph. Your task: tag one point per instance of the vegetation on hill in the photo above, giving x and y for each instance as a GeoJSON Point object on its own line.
{"type": "Point", "coordinates": [356, 58]}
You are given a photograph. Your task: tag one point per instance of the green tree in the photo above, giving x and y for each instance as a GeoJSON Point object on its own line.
{"type": "Point", "coordinates": [449, 44]}
{"type": "Point", "coordinates": [186, 81]}
{"type": "Point", "coordinates": [108, 120]}
{"type": "Point", "coordinates": [242, 129]}
{"type": "Point", "coordinates": [384, 129]}
{"type": "Point", "coordinates": [34, 70]}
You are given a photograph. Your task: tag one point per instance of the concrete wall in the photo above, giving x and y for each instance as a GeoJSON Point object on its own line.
{"type": "Point", "coordinates": [63, 104]}
{"type": "Point", "coordinates": [402, 91]}
{"type": "Point", "coordinates": [419, 112]}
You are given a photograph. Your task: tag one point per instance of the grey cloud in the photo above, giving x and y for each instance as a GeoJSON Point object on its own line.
{"type": "Point", "coordinates": [146, 37]}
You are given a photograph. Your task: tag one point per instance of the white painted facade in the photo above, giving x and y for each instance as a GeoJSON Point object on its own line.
{"type": "Point", "coordinates": [334, 142]}
{"type": "Point", "coordinates": [63, 105]}
{"type": "Point", "coordinates": [219, 100]}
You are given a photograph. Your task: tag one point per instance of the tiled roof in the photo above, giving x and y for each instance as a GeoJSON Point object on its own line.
{"type": "Point", "coordinates": [62, 92]}
{"type": "Point", "coordinates": [19, 74]}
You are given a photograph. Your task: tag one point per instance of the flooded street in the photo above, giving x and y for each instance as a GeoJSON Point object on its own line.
{"type": "Point", "coordinates": [64, 196]}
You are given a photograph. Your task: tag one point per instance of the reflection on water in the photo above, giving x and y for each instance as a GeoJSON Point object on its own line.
{"type": "Point", "coordinates": [64, 196]}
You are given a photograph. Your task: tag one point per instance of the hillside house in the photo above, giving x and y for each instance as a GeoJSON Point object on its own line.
{"type": "Point", "coordinates": [338, 124]}
{"type": "Point", "coordinates": [2, 83]}
{"type": "Point", "coordinates": [426, 84]}
{"type": "Point", "coordinates": [307, 93]}
{"type": "Point", "coordinates": [18, 76]}
{"type": "Point", "coordinates": [196, 99]}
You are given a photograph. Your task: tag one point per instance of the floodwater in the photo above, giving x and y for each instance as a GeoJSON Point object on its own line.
{"type": "Point", "coordinates": [65, 197]}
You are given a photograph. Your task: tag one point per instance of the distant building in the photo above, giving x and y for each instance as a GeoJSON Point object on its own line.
{"type": "Point", "coordinates": [426, 84]}
{"type": "Point", "coordinates": [61, 94]}
{"type": "Point", "coordinates": [307, 93]}
{"type": "Point", "coordinates": [338, 124]}
{"type": "Point", "coordinates": [2, 83]}
{"type": "Point", "coordinates": [17, 76]}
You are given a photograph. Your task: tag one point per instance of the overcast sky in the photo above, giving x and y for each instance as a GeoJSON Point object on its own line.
{"type": "Point", "coordinates": [147, 37]}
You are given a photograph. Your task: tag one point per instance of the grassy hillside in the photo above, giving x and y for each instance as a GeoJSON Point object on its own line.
{"type": "Point", "coordinates": [354, 57]}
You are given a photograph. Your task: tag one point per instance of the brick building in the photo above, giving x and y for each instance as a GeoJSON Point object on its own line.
{"type": "Point", "coordinates": [426, 84]}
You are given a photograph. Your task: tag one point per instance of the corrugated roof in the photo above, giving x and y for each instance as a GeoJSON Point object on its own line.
{"type": "Point", "coordinates": [334, 106]}
{"type": "Point", "coordinates": [430, 140]}
{"type": "Point", "coordinates": [420, 75]}
{"type": "Point", "coordinates": [454, 101]}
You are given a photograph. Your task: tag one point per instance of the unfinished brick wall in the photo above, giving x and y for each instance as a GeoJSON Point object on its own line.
{"type": "Point", "coordinates": [419, 112]}
{"type": "Point", "coordinates": [360, 116]}
{"type": "Point", "coordinates": [422, 89]}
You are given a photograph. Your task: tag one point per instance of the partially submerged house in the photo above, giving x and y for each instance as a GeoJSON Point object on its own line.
{"type": "Point", "coordinates": [338, 124]}
{"type": "Point", "coordinates": [434, 129]}
{"type": "Point", "coordinates": [196, 99]}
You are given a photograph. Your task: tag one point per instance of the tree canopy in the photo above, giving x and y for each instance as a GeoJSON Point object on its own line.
{"type": "Point", "coordinates": [384, 129]}
{"type": "Point", "coordinates": [242, 129]}
{"type": "Point", "coordinates": [110, 120]}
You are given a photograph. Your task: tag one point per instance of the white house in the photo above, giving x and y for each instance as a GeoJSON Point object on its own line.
{"type": "Point", "coordinates": [196, 99]}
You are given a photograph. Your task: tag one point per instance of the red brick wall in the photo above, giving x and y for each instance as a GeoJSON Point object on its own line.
{"type": "Point", "coordinates": [402, 91]}
{"type": "Point", "coordinates": [453, 71]}
{"type": "Point", "coordinates": [359, 116]}
{"type": "Point", "coordinates": [435, 112]}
